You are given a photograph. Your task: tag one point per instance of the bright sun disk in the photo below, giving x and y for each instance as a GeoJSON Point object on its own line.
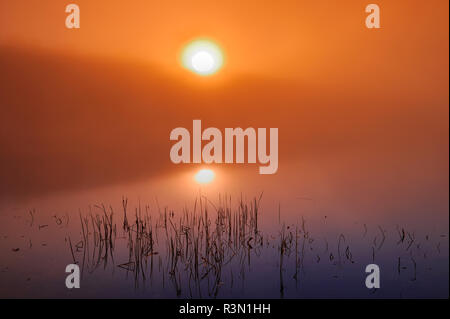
{"type": "Point", "coordinates": [204, 176]}
{"type": "Point", "coordinates": [202, 57]}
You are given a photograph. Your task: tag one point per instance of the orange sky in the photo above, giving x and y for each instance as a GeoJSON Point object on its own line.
{"type": "Point", "coordinates": [315, 41]}
{"type": "Point", "coordinates": [359, 105]}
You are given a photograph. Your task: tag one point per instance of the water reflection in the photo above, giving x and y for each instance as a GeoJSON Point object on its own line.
{"type": "Point", "coordinates": [219, 250]}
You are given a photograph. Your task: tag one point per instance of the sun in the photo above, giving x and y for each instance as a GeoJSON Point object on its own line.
{"type": "Point", "coordinates": [203, 57]}
{"type": "Point", "coordinates": [204, 176]}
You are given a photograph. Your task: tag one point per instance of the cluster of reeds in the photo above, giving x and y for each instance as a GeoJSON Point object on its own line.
{"type": "Point", "coordinates": [200, 246]}
{"type": "Point", "coordinates": [99, 232]}
{"type": "Point", "coordinates": [192, 248]}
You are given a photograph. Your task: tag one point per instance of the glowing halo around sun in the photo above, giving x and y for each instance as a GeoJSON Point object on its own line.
{"type": "Point", "coordinates": [203, 57]}
{"type": "Point", "coordinates": [204, 176]}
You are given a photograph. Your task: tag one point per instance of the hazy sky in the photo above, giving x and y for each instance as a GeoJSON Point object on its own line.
{"type": "Point", "coordinates": [365, 110]}
{"type": "Point", "coordinates": [310, 40]}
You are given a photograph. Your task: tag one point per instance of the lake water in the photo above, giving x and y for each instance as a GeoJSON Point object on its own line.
{"type": "Point", "coordinates": [294, 248]}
